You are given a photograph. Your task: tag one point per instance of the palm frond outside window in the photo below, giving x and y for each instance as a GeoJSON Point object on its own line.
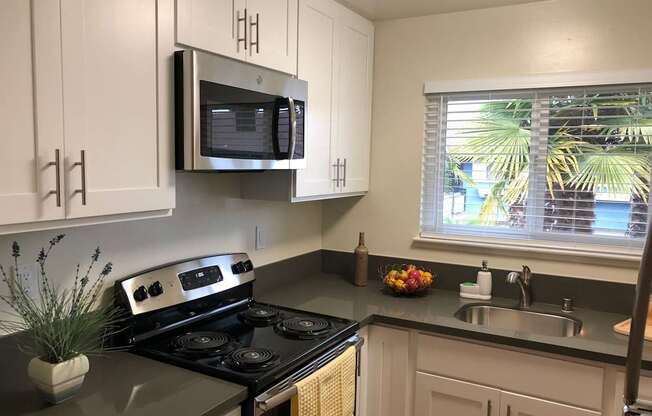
{"type": "Point", "coordinates": [555, 164]}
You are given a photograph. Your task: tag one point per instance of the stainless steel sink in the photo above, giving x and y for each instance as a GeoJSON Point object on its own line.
{"type": "Point", "coordinates": [539, 323]}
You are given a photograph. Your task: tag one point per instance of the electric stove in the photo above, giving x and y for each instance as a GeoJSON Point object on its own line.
{"type": "Point", "coordinates": [200, 314]}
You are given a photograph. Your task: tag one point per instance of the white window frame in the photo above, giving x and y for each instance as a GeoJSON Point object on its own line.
{"type": "Point", "coordinates": [589, 248]}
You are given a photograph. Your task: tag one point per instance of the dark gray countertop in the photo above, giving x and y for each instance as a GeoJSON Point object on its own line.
{"type": "Point", "coordinates": [333, 295]}
{"type": "Point", "coordinates": [118, 383]}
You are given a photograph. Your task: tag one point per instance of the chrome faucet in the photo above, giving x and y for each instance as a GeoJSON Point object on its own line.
{"type": "Point", "coordinates": [522, 279]}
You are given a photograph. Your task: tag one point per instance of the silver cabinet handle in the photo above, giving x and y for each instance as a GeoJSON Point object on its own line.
{"type": "Point", "coordinates": [57, 183]}
{"type": "Point", "coordinates": [82, 164]}
{"type": "Point", "coordinates": [488, 407]}
{"type": "Point", "coordinates": [251, 34]}
{"type": "Point", "coordinates": [337, 170]}
{"type": "Point", "coordinates": [244, 24]}
{"type": "Point", "coordinates": [344, 175]}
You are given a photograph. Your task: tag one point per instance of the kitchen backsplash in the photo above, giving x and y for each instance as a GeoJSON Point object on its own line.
{"type": "Point", "coordinates": [586, 293]}
{"type": "Point", "coordinates": [210, 218]}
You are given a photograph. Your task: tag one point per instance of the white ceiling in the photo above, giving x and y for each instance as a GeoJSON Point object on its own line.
{"type": "Point", "coordinates": [393, 9]}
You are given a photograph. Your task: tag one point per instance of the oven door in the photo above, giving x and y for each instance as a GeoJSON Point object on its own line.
{"type": "Point", "coordinates": [277, 400]}
{"type": "Point", "coordinates": [239, 117]}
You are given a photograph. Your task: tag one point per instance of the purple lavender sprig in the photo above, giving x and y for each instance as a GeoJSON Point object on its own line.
{"type": "Point", "coordinates": [63, 323]}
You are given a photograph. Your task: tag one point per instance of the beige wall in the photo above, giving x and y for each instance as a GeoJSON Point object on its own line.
{"type": "Point", "coordinates": [210, 218]}
{"type": "Point", "coordinates": [536, 38]}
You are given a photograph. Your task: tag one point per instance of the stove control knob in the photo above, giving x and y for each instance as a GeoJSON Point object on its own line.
{"type": "Point", "coordinates": [238, 268]}
{"type": "Point", "coordinates": [155, 289]}
{"type": "Point", "coordinates": [140, 294]}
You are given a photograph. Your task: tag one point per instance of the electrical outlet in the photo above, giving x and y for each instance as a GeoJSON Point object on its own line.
{"type": "Point", "coordinates": [26, 275]}
{"type": "Point", "coordinates": [260, 238]}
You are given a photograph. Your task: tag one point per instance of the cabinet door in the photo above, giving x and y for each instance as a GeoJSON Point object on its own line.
{"type": "Point", "coordinates": [212, 25]}
{"type": "Point", "coordinates": [517, 405]}
{"type": "Point", "coordinates": [272, 24]}
{"type": "Point", "coordinates": [388, 376]}
{"type": "Point", "coordinates": [644, 393]}
{"type": "Point", "coordinates": [234, 412]}
{"type": "Point", "coordinates": [117, 70]}
{"type": "Point", "coordinates": [354, 100]}
{"type": "Point", "coordinates": [317, 56]}
{"type": "Point", "coordinates": [437, 396]}
{"type": "Point", "coordinates": [31, 127]}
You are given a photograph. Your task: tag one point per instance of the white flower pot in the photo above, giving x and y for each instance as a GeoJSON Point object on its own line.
{"type": "Point", "coordinates": [58, 382]}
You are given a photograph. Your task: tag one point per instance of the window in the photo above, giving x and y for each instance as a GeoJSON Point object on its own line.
{"type": "Point", "coordinates": [548, 164]}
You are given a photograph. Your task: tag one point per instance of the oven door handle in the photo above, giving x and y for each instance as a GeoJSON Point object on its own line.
{"type": "Point", "coordinates": [286, 389]}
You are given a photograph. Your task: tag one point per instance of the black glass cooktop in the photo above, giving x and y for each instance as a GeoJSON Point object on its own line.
{"type": "Point", "coordinates": [255, 345]}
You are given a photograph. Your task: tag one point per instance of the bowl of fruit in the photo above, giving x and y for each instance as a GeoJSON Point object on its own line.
{"type": "Point", "coordinates": [406, 279]}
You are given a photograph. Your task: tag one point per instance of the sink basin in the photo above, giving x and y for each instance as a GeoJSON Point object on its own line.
{"type": "Point", "coordinates": [538, 323]}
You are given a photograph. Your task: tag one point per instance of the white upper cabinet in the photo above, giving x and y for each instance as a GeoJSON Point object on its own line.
{"type": "Point", "coordinates": [91, 82]}
{"type": "Point", "coordinates": [263, 32]}
{"type": "Point", "coordinates": [272, 26]}
{"type": "Point", "coordinates": [30, 71]}
{"type": "Point", "coordinates": [336, 58]}
{"type": "Point", "coordinates": [212, 25]}
{"type": "Point", "coordinates": [317, 65]}
{"type": "Point", "coordinates": [117, 77]}
{"type": "Point", "coordinates": [354, 101]}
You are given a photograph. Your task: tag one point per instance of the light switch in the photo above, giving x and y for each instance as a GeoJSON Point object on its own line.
{"type": "Point", "coordinates": [26, 275]}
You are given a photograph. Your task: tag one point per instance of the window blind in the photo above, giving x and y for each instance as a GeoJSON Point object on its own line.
{"type": "Point", "coordinates": [568, 164]}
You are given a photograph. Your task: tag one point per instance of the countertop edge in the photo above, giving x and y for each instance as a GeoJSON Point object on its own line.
{"type": "Point", "coordinates": [228, 405]}
{"type": "Point", "coordinates": [501, 340]}
{"type": "Point", "coordinates": [368, 307]}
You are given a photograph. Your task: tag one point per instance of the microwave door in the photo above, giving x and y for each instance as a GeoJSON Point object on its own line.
{"type": "Point", "coordinates": [238, 129]}
{"type": "Point", "coordinates": [235, 116]}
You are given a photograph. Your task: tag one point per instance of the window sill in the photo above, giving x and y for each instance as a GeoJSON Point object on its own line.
{"type": "Point", "coordinates": [576, 253]}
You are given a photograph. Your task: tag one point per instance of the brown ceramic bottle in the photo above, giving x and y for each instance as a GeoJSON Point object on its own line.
{"type": "Point", "coordinates": [361, 263]}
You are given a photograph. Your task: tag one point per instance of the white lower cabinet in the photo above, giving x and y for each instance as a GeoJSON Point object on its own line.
{"type": "Point", "coordinates": [644, 393]}
{"type": "Point", "coordinates": [415, 374]}
{"type": "Point", "coordinates": [523, 372]}
{"type": "Point", "coordinates": [438, 396]}
{"type": "Point", "coordinates": [234, 412]}
{"type": "Point", "coordinates": [389, 376]}
{"type": "Point", "coordinates": [519, 405]}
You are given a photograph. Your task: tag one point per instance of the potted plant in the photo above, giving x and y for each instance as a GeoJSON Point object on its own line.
{"type": "Point", "coordinates": [59, 327]}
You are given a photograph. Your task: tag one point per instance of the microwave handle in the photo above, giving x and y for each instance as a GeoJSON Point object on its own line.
{"type": "Point", "coordinates": [293, 128]}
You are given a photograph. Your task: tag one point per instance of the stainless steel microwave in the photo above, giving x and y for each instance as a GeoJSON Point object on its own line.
{"type": "Point", "coordinates": [231, 115]}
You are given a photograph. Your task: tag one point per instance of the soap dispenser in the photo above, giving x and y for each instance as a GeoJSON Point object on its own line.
{"type": "Point", "coordinates": [484, 280]}
{"type": "Point", "coordinates": [481, 289]}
